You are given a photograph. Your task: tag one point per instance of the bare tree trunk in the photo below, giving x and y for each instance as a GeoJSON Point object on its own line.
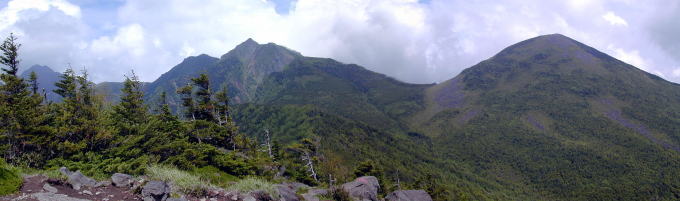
{"type": "Point", "coordinates": [233, 143]}
{"type": "Point", "coordinates": [269, 144]}
{"type": "Point", "coordinates": [310, 165]}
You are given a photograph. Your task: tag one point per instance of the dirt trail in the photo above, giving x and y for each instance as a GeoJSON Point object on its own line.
{"type": "Point", "coordinates": [38, 187]}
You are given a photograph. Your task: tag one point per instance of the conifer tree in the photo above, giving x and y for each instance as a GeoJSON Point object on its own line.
{"type": "Point", "coordinates": [10, 55]}
{"type": "Point", "coordinates": [163, 110]}
{"type": "Point", "coordinates": [19, 111]}
{"type": "Point", "coordinates": [131, 108]}
{"type": "Point", "coordinates": [224, 119]}
{"type": "Point", "coordinates": [222, 107]}
{"type": "Point", "coordinates": [66, 87]}
{"type": "Point", "coordinates": [186, 95]}
{"type": "Point", "coordinates": [205, 106]}
{"type": "Point", "coordinates": [77, 118]}
{"type": "Point", "coordinates": [9, 126]}
{"type": "Point", "coordinates": [33, 81]}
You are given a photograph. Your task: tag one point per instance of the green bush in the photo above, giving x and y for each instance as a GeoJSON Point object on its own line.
{"type": "Point", "coordinates": [215, 176]}
{"type": "Point", "coordinates": [10, 180]}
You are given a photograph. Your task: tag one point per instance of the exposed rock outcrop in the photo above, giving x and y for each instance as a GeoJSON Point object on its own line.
{"type": "Point", "coordinates": [77, 180]}
{"type": "Point", "coordinates": [155, 191]}
{"type": "Point", "coordinates": [313, 194]}
{"type": "Point", "coordinates": [363, 188]}
{"type": "Point", "coordinates": [408, 195]}
{"type": "Point", "coordinates": [287, 191]}
{"type": "Point", "coordinates": [121, 180]}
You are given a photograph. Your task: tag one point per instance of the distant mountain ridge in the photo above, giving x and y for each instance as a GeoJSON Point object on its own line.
{"type": "Point", "coordinates": [46, 79]}
{"type": "Point", "coordinates": [548, 118]}
{"type": "Point", "coordinates": [241, 70]}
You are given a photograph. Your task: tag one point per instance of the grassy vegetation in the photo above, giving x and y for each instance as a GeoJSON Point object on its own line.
{"type": "Point", "coordinates": [215, 176]}
{"type": "Point", "coordinates": [251, 184]}
{"type": "Point", "coordinates": [10, 179]}
{"type": "Point", "coordinates": [52, 173]}
{"type": "Point", "coordinates": [184, 181]}
{"type": "Point", "coordinates": [336, 194]}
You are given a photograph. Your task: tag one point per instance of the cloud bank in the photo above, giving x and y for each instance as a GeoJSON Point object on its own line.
{"type": "Point", "coordinates": [414, 41]}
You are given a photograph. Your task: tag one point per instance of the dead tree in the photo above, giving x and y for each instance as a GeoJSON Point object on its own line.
{"type": "Point", "coordinates": [269, 143]}
{"type": "Point", "coordinates": [310, 165]}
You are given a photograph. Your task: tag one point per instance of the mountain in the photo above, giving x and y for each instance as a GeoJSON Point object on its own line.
{"type": "Point", "coordinates": [111, 91]}
{"type": "Point", "coordinates": [241, 70]}
{"type": "Point", "coordinates": [46, 79]}
{"type": "Point", "coordinates": [563, 119]}
{"type": "Point", "coordinates": [344, 89]}
{"type": "Point", "coordinates": [548, 118]}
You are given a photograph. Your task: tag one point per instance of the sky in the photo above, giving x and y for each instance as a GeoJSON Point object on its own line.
{"type": "Point", "coordinates": [417, 41]}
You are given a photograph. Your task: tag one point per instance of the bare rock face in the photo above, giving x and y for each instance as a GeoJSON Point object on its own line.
{"type": "Point", "coordinates": [47, 187]}
{"type": "Point", "coordinates": [287, 191]}
{"type": "Point", "coordinates": [408, 195]}
{"type": "Point", "coordinates": [313, 194]}
{"type": "Point", "coordinates": [261, 196]}
{"type": "Point", "coordinates": [121, 180]}
{"type": "Point", "coordinates": [155, 191]}
{"type": "Point", "coordinates": [363, 188]}
{"type": "Point", "coordinates": [77, 180]}
{"type": "Point", "coordinates": [65, 171]}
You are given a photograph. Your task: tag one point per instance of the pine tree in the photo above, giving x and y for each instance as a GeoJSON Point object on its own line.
{"type": "Point", "coordinates": [131, 108]}
{"type": "Point", "coordinates": [20, 113]}
{"type": "Point", "coordinates": [33, 81]}
{"type": "Point", "coordinates": [224, 119]}
{"type": "Point", "coordinates": [66, 87]}
{"type": "Point", "coordinates": [85, 89]}
{"type": "Point", "coordinates": [186, 95]}
{"type": "Point", "coordinates": [205, 106]}
{"type": "Point", "coordinates": [163, 110]}
{"type": "Point", "coordinates": [222, 107]}
{"type": "Point", "coordinates": [77, 120]}
{"type": "Point", "coordinates": [10, 55]}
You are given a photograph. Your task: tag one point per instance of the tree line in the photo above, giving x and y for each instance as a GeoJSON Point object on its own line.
{"type": "Point", "coordinates": [84, 132]}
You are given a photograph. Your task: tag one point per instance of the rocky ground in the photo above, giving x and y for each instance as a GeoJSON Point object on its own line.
{"type": "Point", "coordinates": [124, 187]}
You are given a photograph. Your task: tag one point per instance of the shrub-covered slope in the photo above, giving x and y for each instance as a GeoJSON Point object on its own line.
{"type": "Point", "coordinates": [560, 117]}
{"type": "Point", "coordinates": [548, 118]}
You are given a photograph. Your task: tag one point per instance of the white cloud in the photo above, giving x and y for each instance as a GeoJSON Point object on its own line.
{"type": "Point", "coordinates": [614, 19]}
{"type": "Point", "coordinates": [631, 57]}
{"type": "Point", "coordinates": [11, 13]}
{"type": "Point", "coordinates": [676, 72]}
{"type": "Point", "coordinates": [405, 39]}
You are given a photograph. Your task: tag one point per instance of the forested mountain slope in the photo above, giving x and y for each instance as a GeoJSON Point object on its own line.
{"type": "Point", "coordinates": [548, 118]}
{"type": "Point", "coordinates": [562, 118]}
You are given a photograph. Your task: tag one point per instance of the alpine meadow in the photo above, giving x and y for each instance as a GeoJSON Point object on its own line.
{"type": "Point", "coordinates": [548, 117]}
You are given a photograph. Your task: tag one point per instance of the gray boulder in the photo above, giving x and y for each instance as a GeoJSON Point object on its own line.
{"type": "Point", "coordinates": [313, 194]}
{"type": "Point", "coordinates": [409, 195]}
{"type": "Point", "coordinates": [77, 180]}
{"type": "Point", "coordinates": [155, 191]}
{"type": "Point", "coordinates": [121, 180]}
{"type": "Point", "coordinates": [261, 196]}
{"type": "Point", "coordinates": [176, 199]}
{"type": "Point", "coordinates": [287, 191]}
{"type": "Point", "coordinates": [49, 188]}
{"type": "Point", "coordinates": [102, 184]}
{"type": "Point", "coordinates": [363, 188]}
{"type": "Point", "coordinates": [65, 171]}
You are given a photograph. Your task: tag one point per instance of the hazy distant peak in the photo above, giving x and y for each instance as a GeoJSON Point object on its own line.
{"type": "Point", "coordinates": [39, 69]}
{"type": "Point", "coordinates": [249, 41]}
